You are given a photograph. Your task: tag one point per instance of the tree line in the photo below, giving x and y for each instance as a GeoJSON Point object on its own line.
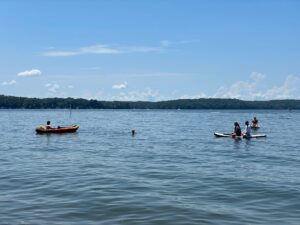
{"type": "Point", "coordinates": [11, 102]}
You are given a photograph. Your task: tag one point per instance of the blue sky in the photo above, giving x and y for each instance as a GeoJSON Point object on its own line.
{"type": "Point", "coordinates": [150, 50]}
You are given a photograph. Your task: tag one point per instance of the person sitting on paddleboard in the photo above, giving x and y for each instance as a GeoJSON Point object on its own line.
{"type": "Point", "coordinates": [247, 132]}
{"type": "Point", "coordinates": [237, 130]}
{"type": "Point", "coordinates": [48, 125]}
{"type": "Point", "coordinates": [254, 122]}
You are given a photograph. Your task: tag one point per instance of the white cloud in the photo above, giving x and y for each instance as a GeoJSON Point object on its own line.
{"type": "Point", "coordinates": [101, 49]}
{"type": "Point", "coordinates": [120, 86]}
{"type": "Point", "coordinates": [242, 89]}
{"type": "Point", "coordinates": [249, 90]}
{"type": "Point", "coordinates": [30, 73]}
{"type": "Point", "coordinates": [114, 49]}
{"type": "Point", "coordinates": [95, 49]}
{"type": "Point", "coordinates": [70, 86]}
{"type": "Point", "coordinates": [289, 90]}
{"type": "Point", "coordinates": [256, 76]}
{"type": "Point", "coordinates": [52, 87]}
{"type": "Point", "coordinates": [8, 83]}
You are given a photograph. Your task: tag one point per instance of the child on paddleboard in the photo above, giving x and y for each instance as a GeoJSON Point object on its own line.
{"type": "Point", "coordinates": [247, 132]}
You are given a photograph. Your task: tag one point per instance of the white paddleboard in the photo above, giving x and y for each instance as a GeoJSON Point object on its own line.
{"type": "Point", "coordinates": [217, 134]}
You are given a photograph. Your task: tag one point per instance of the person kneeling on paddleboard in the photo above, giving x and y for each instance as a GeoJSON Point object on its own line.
{"type": "Point", "coordinates": [237, 130]}
{"type": "Point", "coordinates": [247, 132]}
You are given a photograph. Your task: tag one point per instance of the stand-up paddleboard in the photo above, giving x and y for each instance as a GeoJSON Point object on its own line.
{"type": "Point", "coordinates": [230, 135]}
{"type": "Point", "coordinates": [255, 136]}
{"type": "Point", "coordinates": [223, 134]}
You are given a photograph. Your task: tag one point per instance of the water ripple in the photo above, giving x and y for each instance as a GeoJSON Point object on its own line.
{"type": "Point", "coordinates": [173, 171]}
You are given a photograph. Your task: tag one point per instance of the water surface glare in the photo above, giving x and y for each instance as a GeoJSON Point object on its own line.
{"type": "Point", "coordinates": [173, 171]}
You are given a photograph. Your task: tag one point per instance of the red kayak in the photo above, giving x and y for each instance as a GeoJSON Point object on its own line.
{"type": "Point", "coordinates": [44, 130]}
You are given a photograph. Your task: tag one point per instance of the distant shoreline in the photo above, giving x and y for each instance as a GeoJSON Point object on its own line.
{"type": "Point", "coordinates": [12, 102]}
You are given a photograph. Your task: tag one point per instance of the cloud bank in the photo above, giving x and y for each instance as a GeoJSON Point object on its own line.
{"type": "Point", "coordinates": [249, 90]}
{"type": "Point", "coordinates": [245, 90]}
{"type": "Point", "coordinates": [253, 88]}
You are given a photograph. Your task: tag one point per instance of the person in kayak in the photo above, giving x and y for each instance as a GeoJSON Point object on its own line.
{"type": "Point", "coordinates": [48, 125]}
{"type": "Point", "coordinates": [237, 130]}
{"type": "Point", "coordinates": [247, 132]}
{"type": "Point", "coordinates": [254, 122]}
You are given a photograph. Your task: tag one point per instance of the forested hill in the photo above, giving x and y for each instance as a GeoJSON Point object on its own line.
{"type": "Point", "coordinates": [10, 102]}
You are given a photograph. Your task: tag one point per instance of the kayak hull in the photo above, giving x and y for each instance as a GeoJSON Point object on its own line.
{"type": "Point", "coordinates": [59, 130]}
{"type": "Point", "coordinates": [228, 135]}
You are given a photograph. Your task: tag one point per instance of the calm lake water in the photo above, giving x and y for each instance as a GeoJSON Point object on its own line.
{"type": "Point", "coordinates": [174, 171]}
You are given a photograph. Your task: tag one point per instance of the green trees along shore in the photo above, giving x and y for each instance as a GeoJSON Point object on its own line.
{"type": "Point", "coordinates": [11, 102]}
